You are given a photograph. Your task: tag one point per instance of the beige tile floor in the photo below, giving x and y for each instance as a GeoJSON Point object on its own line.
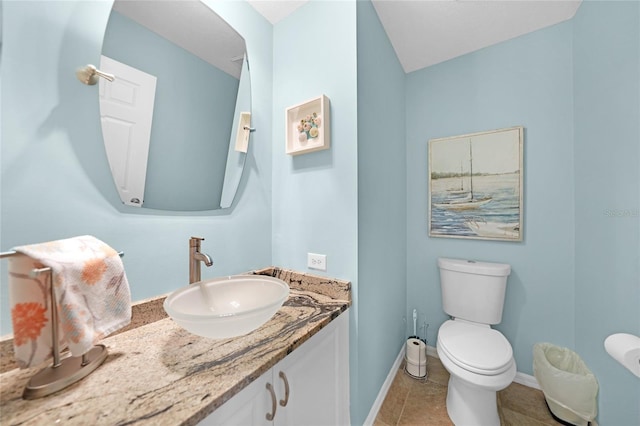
{"type": "Point", "coordinates": [422, 402]}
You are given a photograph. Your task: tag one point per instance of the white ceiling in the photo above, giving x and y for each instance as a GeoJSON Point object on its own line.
{"type": "Point", "coordinates": [191, 25]}
{"type": "Point", "coordinates": [276, 10]}
{"type": "Point", "coordinates": [427, 32]}
{"type": "Point", "coordinates": [422, 32]}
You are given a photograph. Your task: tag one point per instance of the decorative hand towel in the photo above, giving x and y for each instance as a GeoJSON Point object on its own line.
{"type": "Point", "coordinates": [91, 290]}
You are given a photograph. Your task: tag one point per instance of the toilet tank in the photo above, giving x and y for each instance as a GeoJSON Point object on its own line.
{"type": "Point", "coordinates": [473, 291]}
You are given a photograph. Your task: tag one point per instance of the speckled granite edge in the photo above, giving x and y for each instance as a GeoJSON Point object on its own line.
{"type": "Point", "coordinates": [150, 310]}
{"type": "Point", "coordinates": [335, 288]}
{"type": "Point", "coordinates": [142, 312]}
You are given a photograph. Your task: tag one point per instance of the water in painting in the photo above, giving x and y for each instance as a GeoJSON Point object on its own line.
{"type": "Point", "coordinates": [475, 185]}
{"type": "Point", "coordinates": [499, 217]}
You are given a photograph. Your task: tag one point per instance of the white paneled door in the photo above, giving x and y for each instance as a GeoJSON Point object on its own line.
{"type": "Point", "coordinates": [126, 113]}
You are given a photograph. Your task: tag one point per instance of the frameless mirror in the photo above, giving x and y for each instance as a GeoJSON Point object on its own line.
{"type": "Point", "coordinates": [180, 99]}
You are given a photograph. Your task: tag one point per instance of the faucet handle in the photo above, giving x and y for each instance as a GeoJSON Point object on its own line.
{"type": "Point", "coordinates": [195, 241]}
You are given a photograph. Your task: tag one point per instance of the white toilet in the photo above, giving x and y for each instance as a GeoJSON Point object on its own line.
{"type": "Point", "coordinates": [478, 358]}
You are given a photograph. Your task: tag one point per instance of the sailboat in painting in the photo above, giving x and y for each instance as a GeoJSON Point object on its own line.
{"type": "Point", "coordinates": [460, 190]}
{"type": "Point", "coordinates": [469, 201]}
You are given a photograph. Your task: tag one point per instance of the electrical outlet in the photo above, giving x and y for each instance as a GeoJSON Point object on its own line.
{"type": "Point", "coordinates": [317, 261]}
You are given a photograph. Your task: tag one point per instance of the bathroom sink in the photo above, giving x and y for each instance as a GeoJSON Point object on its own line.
{"type": "Point", "coordinates": [226, 307]}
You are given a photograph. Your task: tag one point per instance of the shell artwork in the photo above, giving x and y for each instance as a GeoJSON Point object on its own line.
{"type": "Point", "coordinates": [309, 127]}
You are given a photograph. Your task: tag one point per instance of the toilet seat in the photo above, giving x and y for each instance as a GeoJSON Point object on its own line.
{"type": "Point", "coordinates": [481, 350]}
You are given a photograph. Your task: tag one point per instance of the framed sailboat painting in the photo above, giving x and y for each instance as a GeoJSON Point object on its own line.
{"type": "Point", "coordinates": [476, 185]}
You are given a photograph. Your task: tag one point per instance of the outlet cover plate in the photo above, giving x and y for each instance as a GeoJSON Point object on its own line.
{"type": "Point", "coordinates": [317, 261]}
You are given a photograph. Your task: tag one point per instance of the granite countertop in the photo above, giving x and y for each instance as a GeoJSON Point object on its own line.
{"type": "Point", "coordinates": [158, 373]}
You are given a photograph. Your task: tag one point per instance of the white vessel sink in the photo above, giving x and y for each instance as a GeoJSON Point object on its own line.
{"type": "Point", "coordinates": [226, 307]}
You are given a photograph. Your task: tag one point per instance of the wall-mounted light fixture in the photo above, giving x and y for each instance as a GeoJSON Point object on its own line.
{"type": "Point", "coordinates": [244, 129]}
{"type": "Point", "coordinates": [89, 75]}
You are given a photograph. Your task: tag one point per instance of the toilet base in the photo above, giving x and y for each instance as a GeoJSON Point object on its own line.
{"type": "Point", "coordinates": [470, 405]}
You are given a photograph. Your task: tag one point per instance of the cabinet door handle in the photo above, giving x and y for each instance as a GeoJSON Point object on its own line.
{"type": "Point", "coordinates": [274, 405]}
{"type": "Point", "coordinates": [284, 401]}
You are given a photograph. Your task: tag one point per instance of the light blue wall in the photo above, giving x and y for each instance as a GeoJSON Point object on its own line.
{"type": "Point", "coordinates": [194, 106]}
{"type": "Point", "coordinates": [315, 195]}
{"type": "Point", "coordinates": [258, 34]}
{"type": "Point", "coordinates": [55, 181]}
{"type": "Point", "coordinates": [572, 86]}
{"type": "Point", "coordinates": [381, 209]}
{"type": "Point", "coordinates": [236, 159]}
{"type": "Point", "coordinates": [607, 202]}
{"type": "Point", "coordinates": [526, 81]}
{"type": "Point", "coordinates": [575, 278]}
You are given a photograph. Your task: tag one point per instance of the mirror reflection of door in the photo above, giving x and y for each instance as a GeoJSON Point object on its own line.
{"type": "Point", "coordinates": [198, 60]}
{"type": "Point", "coordinates": [126, 113]}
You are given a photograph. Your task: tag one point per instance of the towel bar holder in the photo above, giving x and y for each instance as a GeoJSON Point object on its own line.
{"type": "Point", "coordinates": [63, 372]}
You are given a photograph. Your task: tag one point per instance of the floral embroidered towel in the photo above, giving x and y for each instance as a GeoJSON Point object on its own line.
{"type": "Point", "coordinates": [91, 291]}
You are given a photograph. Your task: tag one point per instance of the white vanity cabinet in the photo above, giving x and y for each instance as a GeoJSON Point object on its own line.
{"type": "Point", "coordinates": [310, 386]}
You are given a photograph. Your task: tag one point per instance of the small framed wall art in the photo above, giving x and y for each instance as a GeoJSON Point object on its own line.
{"type": "Point", "coordinates": [476, 185]}
{"type": "Point", "coordinates": [308, 126]}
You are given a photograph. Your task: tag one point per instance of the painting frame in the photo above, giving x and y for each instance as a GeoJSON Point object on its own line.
{"type": "Point", "coordinates": [476, 185]}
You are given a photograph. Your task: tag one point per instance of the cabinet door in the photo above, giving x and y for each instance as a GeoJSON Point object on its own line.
{"type": "Point", "coordinates": [249, 407]}
{"type": "Point", "coordinates": [317, 374]}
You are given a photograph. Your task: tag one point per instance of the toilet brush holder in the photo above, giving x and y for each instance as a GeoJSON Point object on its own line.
{"type": "Point", "coordinates": [416, 358]}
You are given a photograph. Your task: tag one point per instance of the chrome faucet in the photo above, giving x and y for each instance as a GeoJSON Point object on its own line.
{"type": "Point", "coordinates": [195, 257]}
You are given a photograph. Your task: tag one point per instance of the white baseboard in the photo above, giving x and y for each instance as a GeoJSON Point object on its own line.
{"type": "Point", "coordinates": [375, 408]}
{"type": "Point", "coordinates": [521, 378]}
{"type": "Point", "coordinates": [431, 351]}
{"type": "Point", "coordinates": [527, 380]}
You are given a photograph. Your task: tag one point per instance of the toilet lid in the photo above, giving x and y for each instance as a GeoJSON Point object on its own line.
{"type": "Point", "coordinates": [478, 349]}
